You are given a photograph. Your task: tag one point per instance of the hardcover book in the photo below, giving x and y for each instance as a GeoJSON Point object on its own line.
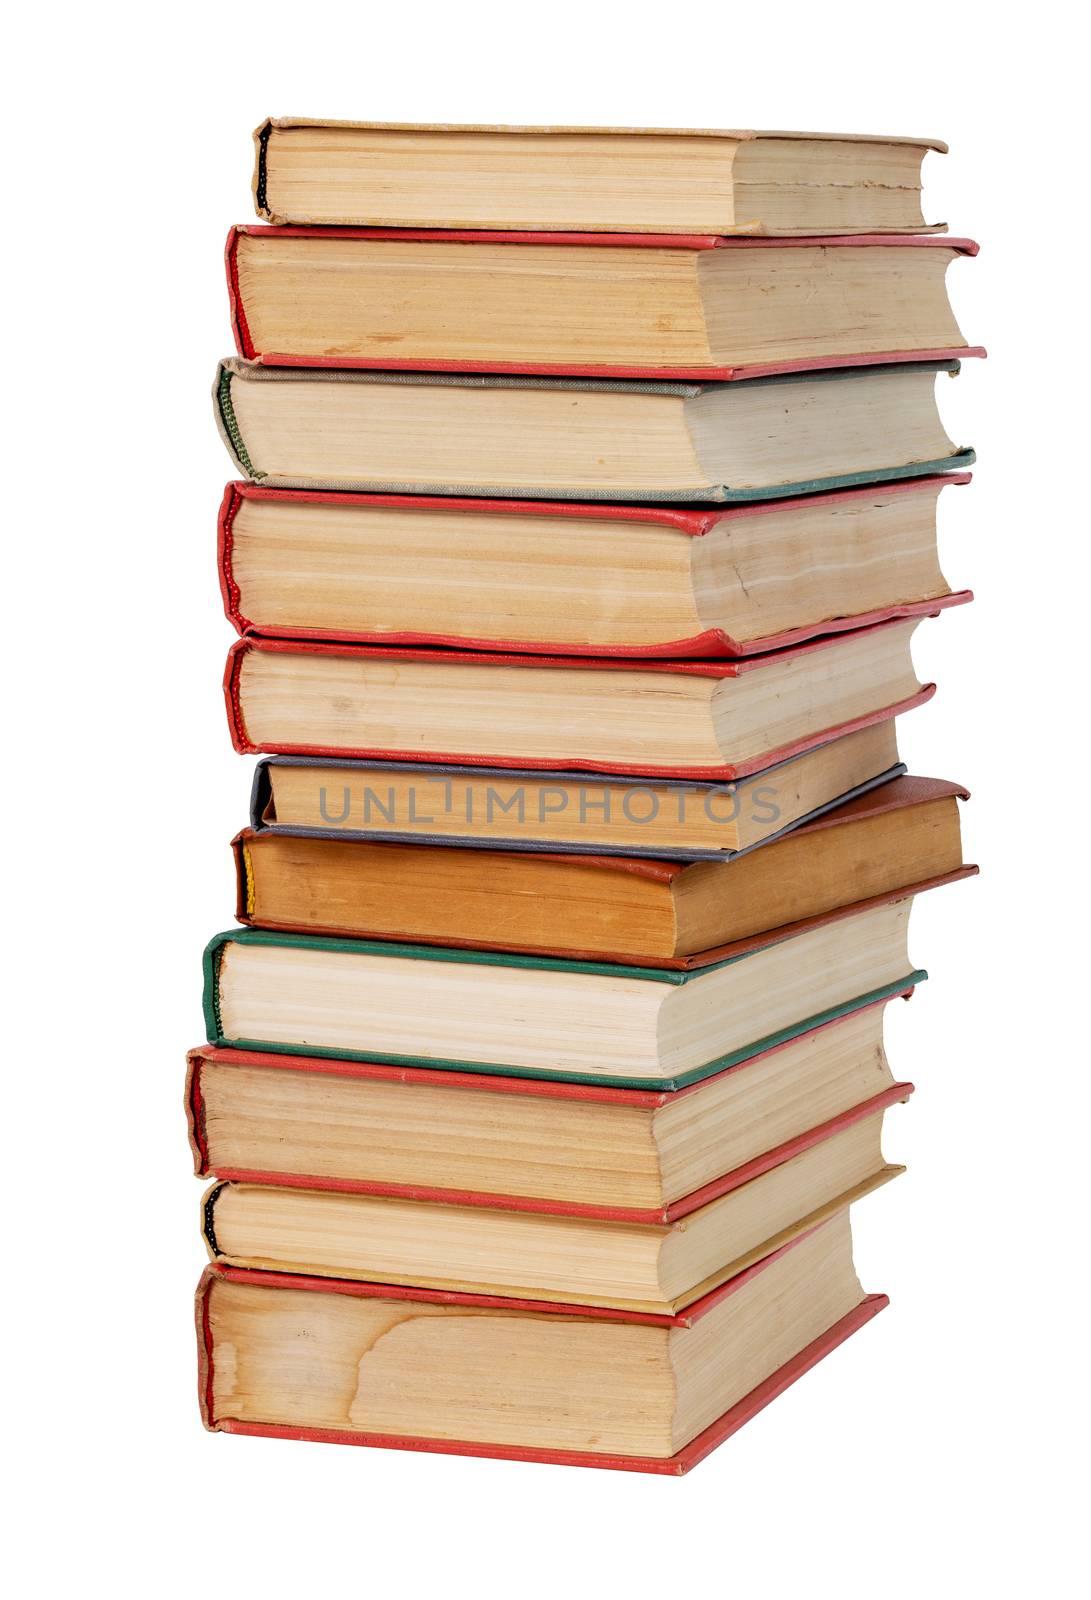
{"type": "Point", "coordinates": [658, 1027]}
{"type": "Point", "coordinates": [280, 1356]}
{"type": "Point", "coordinates": [669, 719]}
{"type": "Point", "coordinates": [617, 180]}
{"type": "Point", "coordinates": [570, 812]}
{"type": "Point", "coordinates": [607, 304]}
{"type": "Point", "coordinates": [569, 579]}
{"type": "Point", "coordinates": [630, 1155]}
{"type": "Point", "coordinates": [896, 837]}
{"type": "Point", "coordinates": [572, 438]}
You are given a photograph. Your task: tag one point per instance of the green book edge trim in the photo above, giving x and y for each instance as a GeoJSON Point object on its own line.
{"type": "Point", "coordinates": [601, 1080]}
{"type": "Point", "coordinates": [853, 480]}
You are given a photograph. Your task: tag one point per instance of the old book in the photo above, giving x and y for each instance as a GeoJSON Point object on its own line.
{"type": "Point", "coordinates": [570, 812]}
{"type": "Point", "coordinates": [479, 1247]}
{"type": "Point", "coordinates": [280, 1356]}
{"type": "Point", "coordinates": [629, 305]}
{"type": "Point", "coordinates": [681, 719]}
{"type": "Point", "coordinates": [618, 180]}
{"type": "Point", "coordinates": [632, 1155]}
{"type": "Point", "coordinates": [542, 576]}
{"type": "Point", "coordinates": [616, 908]}
{"type": "Point", "coordinates": [583, 438]}
{"type": "Point", "coordinates": [542, 1017]}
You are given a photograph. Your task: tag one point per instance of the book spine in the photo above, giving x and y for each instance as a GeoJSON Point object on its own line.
{"type": "Point", "coordinates": [195, 1114]}
{"type": "Point", "coordinates": [243, 342]}
{"type": "Point", "coordinates": [236, 722]}
{"type": "Point", "coordinates": [260, 182]}
{"type": "Point", "coordinates": [229, 589]}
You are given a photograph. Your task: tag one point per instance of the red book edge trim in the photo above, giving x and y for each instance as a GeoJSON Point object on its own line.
{"type": "Point", "coordinates": [577, 369]}
{"type": "Point", "coordinates": [241, 741]}
{"type": "Point", "coordinates": [694, 523]}
{"type": "Point", "coordinates": [487, 658]}
{"type": "Point", "coordinates": [714, 642]}
{"type": "Point", "coordinates": [662, 1216]}
{"type": "Point", "coordinates": [672, 1466]}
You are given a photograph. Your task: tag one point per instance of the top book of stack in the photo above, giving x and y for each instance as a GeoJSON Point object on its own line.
{"type": "Point", "coordinates": [588, 180]}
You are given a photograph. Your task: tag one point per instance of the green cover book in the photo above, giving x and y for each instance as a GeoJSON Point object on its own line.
{"type": "Point", "coordinates": [233, 370]}
{"type": "Point", "coordinates": [253, 936]}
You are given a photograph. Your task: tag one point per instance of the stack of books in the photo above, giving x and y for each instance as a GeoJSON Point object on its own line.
{"type": "Point", "coordinates": [588, 507]}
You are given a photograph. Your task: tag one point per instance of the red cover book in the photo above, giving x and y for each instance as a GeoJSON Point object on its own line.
{"type": "Point", "coordinates": [712, 643]}
{"type": "Point", "coordinates": [672, 1466]}
{"type": "Point", "coordinates": [664, 1215]}
{"type": "Point", "coordinates": [677, 244]}
{"type": "Point", "coordinates": [246, 745]}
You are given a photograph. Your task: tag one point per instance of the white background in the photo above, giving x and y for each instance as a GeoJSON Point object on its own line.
{"type": "Point", "coordinates": [940, 1449]}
